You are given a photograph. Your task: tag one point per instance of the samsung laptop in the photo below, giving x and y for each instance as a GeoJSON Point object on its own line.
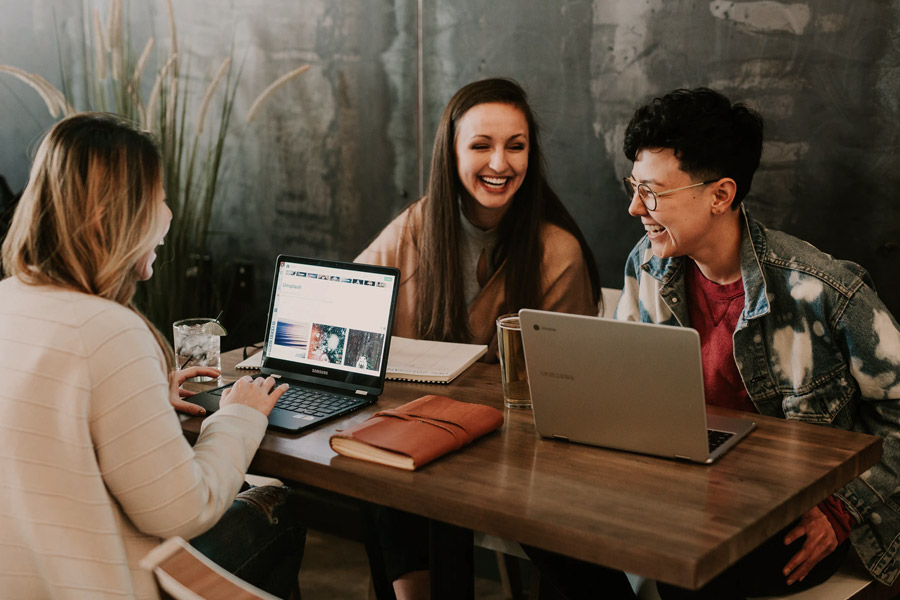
{"type": "Point", "coordinates": [624, 385]}
{"type": "Point", "coordinates": [328, 335]}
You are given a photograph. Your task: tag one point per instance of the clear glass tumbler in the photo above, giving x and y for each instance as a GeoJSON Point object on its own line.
{"type": "Point", "coordinates": [195, 346]}
{"type": "Point", "coordinates": [516, 393]}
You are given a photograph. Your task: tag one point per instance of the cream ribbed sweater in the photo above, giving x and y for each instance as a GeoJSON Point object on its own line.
{"type": "Point", "coordinates": [94, 468]}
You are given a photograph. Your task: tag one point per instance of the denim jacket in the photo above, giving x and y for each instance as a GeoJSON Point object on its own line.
{"type": "Point", "coordinates": [813, 343]}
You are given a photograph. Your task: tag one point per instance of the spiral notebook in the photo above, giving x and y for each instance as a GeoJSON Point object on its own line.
{"type": "Point", "coordinates": [430, 362]}
{"type": "Point", "coordinates": [417, 360]}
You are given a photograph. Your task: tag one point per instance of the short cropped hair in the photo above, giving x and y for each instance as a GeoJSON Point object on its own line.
{"type": "Point", "coordinates": [711, 137]}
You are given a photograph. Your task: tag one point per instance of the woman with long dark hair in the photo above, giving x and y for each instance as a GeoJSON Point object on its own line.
{"type": "Point", "coordinates": [490, 236]}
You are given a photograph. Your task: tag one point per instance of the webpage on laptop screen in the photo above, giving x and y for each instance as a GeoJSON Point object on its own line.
{"type": "Point", "coordinates": [336, 316]}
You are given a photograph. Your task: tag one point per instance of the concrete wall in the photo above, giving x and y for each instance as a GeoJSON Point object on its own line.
{"type": "Point", "coordinates": [335, 155]}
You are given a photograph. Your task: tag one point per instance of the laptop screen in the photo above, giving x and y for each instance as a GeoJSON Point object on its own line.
{"type": "Point", "coordinates": [331, 321]}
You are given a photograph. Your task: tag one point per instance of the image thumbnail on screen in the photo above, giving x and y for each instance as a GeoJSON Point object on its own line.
{"type": "Point", "coordinates": [292, 335]}
{"type": "Point", "coordinates": [327, 343]}
{"type": "Point", "coordinates": [364, 350]}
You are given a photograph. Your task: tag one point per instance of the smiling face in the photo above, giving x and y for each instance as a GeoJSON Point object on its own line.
{"type": "Point", "coordinates": [492, 147]}
{"type": "Point", "coordinates": [144, 264]}
{"type": "Point", "coordinates": [682, 223]}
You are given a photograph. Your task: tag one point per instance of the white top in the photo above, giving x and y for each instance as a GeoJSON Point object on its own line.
{"type": "Point", "coordinates": [94, 468]}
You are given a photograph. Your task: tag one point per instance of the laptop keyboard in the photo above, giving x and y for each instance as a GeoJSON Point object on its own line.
{"type": "Point", "coordinates": [307, 401]}
{"type": "Point", "coordinates": [313, 402]}
{"type": "Point", "coordinates": [717, 438]}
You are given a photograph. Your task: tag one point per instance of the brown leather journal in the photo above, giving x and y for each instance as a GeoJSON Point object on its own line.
{"type": "Point", "coordinates": [418, 432]}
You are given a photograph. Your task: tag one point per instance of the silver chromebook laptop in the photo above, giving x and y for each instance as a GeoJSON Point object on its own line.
{"type": "Point", "coordinates": [624, 385]}
{"type": "Point", "coordinates": [328, 335]}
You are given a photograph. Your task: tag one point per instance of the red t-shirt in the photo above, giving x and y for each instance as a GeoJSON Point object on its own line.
{"type": "Point", "coordinates": [714, 310]}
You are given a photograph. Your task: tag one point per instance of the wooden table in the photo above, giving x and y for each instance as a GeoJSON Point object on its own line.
{"type": "Point", "coordinates": [675, 522]}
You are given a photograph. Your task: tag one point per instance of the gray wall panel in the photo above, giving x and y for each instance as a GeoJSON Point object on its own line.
{"type": "Point", "coordinates": [334, 156]}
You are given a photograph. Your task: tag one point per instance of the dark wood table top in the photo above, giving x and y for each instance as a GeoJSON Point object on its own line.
{"type": "Point", "coordinates": [676, 522]}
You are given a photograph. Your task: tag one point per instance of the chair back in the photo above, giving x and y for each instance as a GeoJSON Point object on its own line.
{"type": "Point", "coordinates": [610, 300]}
{"type": "Point", "coordinates": [183, 573]}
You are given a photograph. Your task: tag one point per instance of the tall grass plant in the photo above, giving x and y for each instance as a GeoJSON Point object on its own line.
{"type": "Point", "coordinates": [192, 142]}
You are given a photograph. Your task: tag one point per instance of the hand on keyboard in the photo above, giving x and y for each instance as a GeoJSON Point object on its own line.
{"type": "Point", "coordinates": [256, 393]}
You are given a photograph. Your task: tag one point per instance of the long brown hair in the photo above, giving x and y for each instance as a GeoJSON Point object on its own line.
{"type": "Point", "coordinates": [441, 312]}
{"type": "Point", "coordinates": [89, 212]}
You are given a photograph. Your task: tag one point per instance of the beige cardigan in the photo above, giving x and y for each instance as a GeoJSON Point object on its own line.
{"type": "Point", "coordinates": [566, 284]}
{"type": "Point", "coordinates": [94, 468]}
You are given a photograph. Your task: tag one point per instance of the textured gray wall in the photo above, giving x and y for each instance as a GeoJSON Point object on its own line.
{"type": "Point", "coordinates": [334, 156]}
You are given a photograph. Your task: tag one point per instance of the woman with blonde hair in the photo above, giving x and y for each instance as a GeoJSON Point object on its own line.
{"type": "Point", "coordinates": [93, 464]}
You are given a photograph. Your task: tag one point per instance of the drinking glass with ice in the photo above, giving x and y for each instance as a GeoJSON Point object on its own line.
{"type": "Point", "coordinates": [197, 344]}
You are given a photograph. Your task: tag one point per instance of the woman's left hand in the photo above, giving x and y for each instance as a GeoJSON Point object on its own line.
{"type": "Point", "coordinates": [176, 392]}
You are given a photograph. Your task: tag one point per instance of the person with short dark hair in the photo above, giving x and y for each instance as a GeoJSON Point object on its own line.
{"type": "Point", "coordinates": [786, 330]}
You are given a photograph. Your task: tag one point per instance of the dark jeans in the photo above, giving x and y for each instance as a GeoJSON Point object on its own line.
{"type": "Point", "coordinates": [759, 573]}
{"type": "Point", "coordinates": [260, 539]}
{"type": "Point", "coordinates": [565, 578]}
{"type": "Point", "coordinates": [398, 539]}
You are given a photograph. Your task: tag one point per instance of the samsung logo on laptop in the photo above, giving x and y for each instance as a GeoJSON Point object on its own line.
{"type": "Point", "coordinates": [320, 371]}
{"type": "Point", "coordinates": [556, 375]}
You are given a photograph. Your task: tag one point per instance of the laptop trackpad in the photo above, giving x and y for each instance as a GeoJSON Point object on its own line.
{"type": "Point", "coordinates": [208, 400]}
{"type": "Point", "coordinates": [288, 420]}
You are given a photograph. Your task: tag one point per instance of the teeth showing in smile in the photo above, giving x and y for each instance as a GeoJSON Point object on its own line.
{"type": "Point", "coordinates": [654, 229]}
{"type": "Point", "coordinates": [496, 182]}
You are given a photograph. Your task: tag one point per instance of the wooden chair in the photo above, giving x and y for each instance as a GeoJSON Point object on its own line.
{"type": "Point", "coordinates": [183, 573]}
{"type": "Point", "coordinates": [610, 300]}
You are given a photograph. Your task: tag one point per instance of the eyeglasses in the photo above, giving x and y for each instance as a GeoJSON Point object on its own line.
{"type": "Point", "coordinates": [649, 198]}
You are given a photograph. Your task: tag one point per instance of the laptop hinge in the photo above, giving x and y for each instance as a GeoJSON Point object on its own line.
{"type": "Point", "coordinates": [362, 392]}
{"type": "Point", "coordinates": [556, 436]}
